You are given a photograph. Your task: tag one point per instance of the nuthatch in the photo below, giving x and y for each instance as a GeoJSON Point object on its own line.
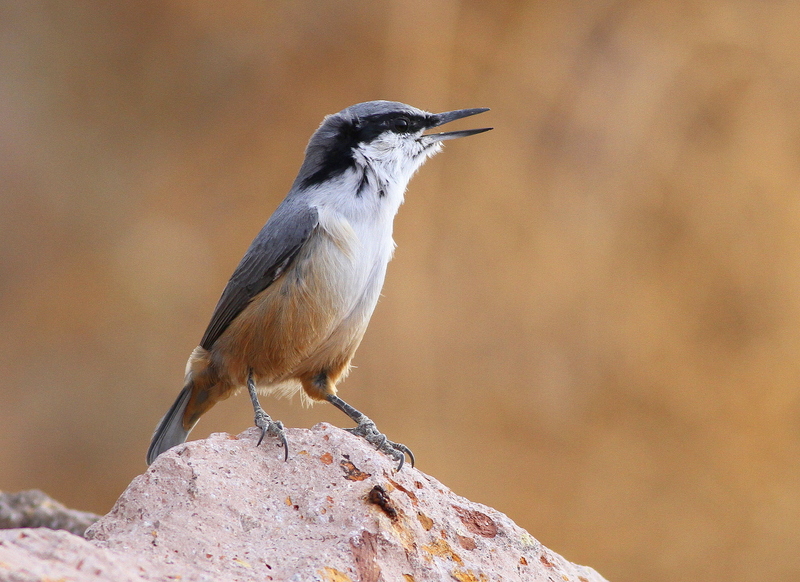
{"type": "Point", "coordinates": [298, 304]}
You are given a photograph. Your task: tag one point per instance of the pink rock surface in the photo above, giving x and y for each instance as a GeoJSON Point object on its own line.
{"type": "Point", "coordinates": [224, 509]}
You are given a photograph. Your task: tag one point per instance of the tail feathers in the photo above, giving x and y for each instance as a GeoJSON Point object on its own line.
{"type": "Point", "coordinates": [170, 430]}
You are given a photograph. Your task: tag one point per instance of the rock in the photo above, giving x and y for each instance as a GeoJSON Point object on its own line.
{"type": "Point", "coordinates": [35, 509]}
{"type": "Point", "coordinates": [337, 511]}
{"type": "Point", "coordinates": [44, 555]}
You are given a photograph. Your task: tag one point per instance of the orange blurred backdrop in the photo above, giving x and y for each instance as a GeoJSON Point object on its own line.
{"type": "Point", "coordinates": [592, 321]}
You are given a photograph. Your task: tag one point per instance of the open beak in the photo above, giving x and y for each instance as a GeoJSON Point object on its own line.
{"type": "Point", "coordinates": [438, 119]}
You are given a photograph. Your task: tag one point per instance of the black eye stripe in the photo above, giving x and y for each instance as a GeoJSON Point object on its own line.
{"type": "Point", "coordinates": [395, 121]}
{"type": "Point", "coordinates": [348, 134]}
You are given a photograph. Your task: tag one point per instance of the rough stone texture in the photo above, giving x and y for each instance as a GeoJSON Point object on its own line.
{"type": "Point", "coordinates": [35, 509]}
{"type": "Point", "coordinates": [223, 509]}
{"type": "Point", "coordinates": [45, 555]}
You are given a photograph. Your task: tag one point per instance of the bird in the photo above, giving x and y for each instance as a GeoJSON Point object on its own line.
{"type": "Point", "coordinates": [296, 307]}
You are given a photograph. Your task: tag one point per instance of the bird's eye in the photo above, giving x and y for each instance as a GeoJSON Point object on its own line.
{"type": "Point", "coordinates": [401, 125]}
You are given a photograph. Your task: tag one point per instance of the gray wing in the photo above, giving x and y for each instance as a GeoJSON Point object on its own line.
{"type": "Point", "coordinates": [270, 253]}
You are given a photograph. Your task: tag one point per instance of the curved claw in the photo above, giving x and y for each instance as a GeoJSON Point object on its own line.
{"type": "Point", "coordinates": [383, 441]}
{"type": "Point", "coordinates": [285, 446]}
{"type": "Point", "coordinates": [400, 451]}
{"type": "Point", "coordinates": [370, 433]}
{"type": "Point", "coordinates": [261, 438]}
{"type": "Point", "coordinates": [406, 451]}
{"type": "Point", "coordinates": [272, 428]}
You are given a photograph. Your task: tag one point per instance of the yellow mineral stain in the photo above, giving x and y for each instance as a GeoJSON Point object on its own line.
{"type": "Point", "coordinates": [468, 576]}
{"type": "Point", "coordinates": [442, 549]}
{"type": "Point", "coordinates": [403, 534]}
{"type": "Point", "coordinates": [334, 575]}
{"type": "Point", "coordinates": [426, 521]}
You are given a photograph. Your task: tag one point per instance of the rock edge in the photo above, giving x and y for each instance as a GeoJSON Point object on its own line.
{"type": "Point", "coordinates": [337, 511]}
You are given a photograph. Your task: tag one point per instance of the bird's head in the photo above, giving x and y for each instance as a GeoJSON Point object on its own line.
{"type": "Point", "coordinates": [387, 136]}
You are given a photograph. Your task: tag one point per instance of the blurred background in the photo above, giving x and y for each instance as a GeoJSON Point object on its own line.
{"type": "Point", "coordinates": [592, 322]}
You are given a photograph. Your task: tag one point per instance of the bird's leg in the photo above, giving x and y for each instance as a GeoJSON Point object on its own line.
{"type": "Point", "coordinates": [263, 420]}
{"type": "Point", "coordinates": [367, 429]}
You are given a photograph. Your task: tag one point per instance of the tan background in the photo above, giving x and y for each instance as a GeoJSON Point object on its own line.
{"type": "Point", "coordinates": [593, 319]}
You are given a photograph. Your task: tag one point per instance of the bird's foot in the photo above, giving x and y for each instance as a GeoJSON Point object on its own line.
{"type": "Point", "coordinates": [369, 432]}
{"type": "Point", "coordinates": [272, 428]}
